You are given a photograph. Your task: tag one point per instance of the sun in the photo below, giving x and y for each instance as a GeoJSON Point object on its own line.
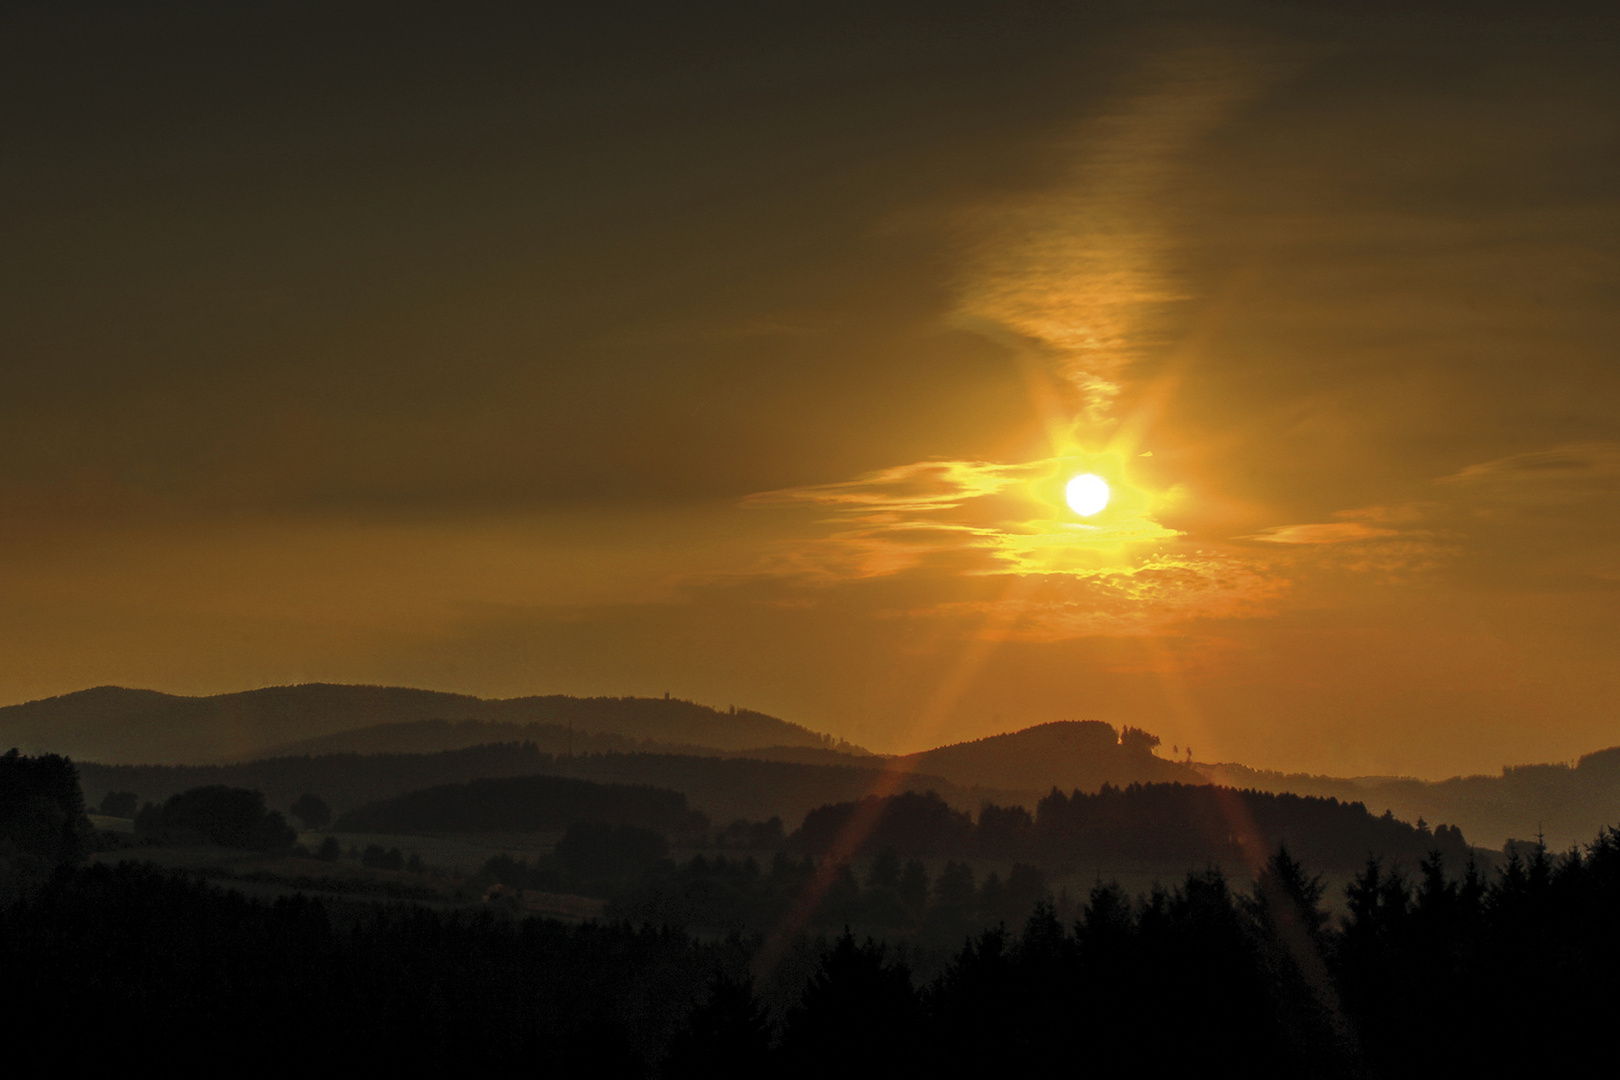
{"type": "Point", "coordinates": [1087, 494]}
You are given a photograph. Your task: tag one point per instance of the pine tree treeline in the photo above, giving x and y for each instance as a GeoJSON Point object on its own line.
{"type": "Point", "coordinates": [1445, 970]}
{"type": "Point", "coordinates": [1436, 973]}
{"type": "Point", "coordinates": [1153, 826]}
{"type": "Point", "coordinates": [1427, 975]}
{"type": "Point", "coordinates": [196, 977]}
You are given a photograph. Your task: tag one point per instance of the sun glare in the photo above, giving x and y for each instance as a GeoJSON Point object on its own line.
{"type": "Point", "coordinates": [1087, 494]}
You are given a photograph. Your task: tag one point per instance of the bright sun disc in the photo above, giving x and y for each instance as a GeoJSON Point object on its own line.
{"type": "Point", "coordinates": [1087, 494]}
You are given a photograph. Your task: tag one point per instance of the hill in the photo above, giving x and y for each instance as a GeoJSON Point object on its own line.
{"type": "Point", "coordinates": [1144, 826]}
{"type": "Point", "coordinates": [724, 788]}
{"type": "Point", "coordinates": [1569, 804]}
{"type": "Point", "coordinates": [1562, 802]}
{"type": "Point", "coordinates": [115, 725]}
{"type": "Point", "coordinates": [431, 736]}
{"type": "Point", "coordinates": [1067, 755]}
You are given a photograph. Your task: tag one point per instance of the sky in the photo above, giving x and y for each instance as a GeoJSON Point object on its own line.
{"type": "Point", "coordinates": [743, 353]}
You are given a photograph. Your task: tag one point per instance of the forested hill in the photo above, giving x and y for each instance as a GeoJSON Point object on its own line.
{"type": "Point", "coordinates": [723, 788]}
{"type": "Point", "coordinates": [120, 726]}
{"type": "Point", "coordinates": [1150, 826]}
{"type": "Point", "coordinates": [1066, 755]}
{"type": "Point", "coordinates": [431, 736]}
{"type": "Point", "coordinates": [1566, 804]}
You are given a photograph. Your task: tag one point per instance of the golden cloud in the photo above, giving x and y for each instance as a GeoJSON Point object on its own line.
{"type": "Point", "coordinates": [960, 521]}
{"type": "Point", "coordinates": [1559, 473]}
{"type": "Point", "coordinates": [1331, 532]}
{"type": "Point", "coordinates": [917, 488]}
{"type": "Point", "coordinates": [1368, 540]}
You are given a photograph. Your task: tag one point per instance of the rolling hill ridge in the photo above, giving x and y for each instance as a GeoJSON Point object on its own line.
{"type": "Point", "coordinates": [115, 725]}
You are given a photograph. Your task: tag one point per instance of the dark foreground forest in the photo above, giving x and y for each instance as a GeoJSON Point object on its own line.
{"type": "Point", "coordinates": [1451, 970]}
{"type": "Point", "coordinates": [1435, 976]}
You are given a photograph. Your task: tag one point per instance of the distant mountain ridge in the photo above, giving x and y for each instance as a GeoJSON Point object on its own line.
{"type": "Point", "coordinates": [116, 725]}
{"type": "Point", "coordinates": [1565, 804]}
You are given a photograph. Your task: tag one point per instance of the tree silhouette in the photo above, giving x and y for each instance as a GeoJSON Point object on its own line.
{"type": "Point", "coordinates": [42, 819]}
{"type": "Point", "coordinates": [729, 1035]}
{"type": "Point", "coordinates": [1285, 898]}
{"type": "Point", "coordinates": [234, 817]}
{"type": "Point", "coordinates": [1287, 911]}
{"type": "Point", "coordinates": [857, 1009]}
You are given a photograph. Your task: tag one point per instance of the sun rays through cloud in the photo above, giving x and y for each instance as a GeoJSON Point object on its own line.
{"type": "Point", "coordinates": [1074, 282]}
{"type": "Point", "coordinates": [1117, 571]}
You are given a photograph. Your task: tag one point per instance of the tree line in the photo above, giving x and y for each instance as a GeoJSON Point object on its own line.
{"type": "Point", "coordinates": [1444, 971]}
{"type": "Point", "coordinates": [1451, 968]}
{"type": "Point", "coordinates": [1138, 825]}
{"type": "Point", "coordinates": [724, 788]}
{"type": "Point", "coordinates": [528, 804]}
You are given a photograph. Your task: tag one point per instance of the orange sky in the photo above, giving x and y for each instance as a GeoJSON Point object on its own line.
{"type": "Point", "coordinates": [745, 357]}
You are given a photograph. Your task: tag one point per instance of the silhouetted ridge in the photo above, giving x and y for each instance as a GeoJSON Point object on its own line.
{"type": "Point", "coordinates": [114, 725]}
{"type": "Point", "coordinates": [431, 736]}
{"type": "Point", "coordinates": [1561, 802]}
{"type": "Point", "coordinates": [666, 719]}
{"type": "Point", "coordinates": [1068, 754]}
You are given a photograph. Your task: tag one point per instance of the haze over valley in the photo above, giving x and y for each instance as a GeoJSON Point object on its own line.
{"type": "Point", "coordinates": [356, 744]}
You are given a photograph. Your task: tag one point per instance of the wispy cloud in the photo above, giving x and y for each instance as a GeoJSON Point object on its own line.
{"type": "Point", "coordinates": [1326, 532]}
{"type": "Point", "coordinates": [1391, 541]}
{"type": "Point", "coordinates": [870, 551]}
{"type": "Point", "coordinates": [1559, 472]}
{"type": "Point", "coordinates": [959, 522]}
{"type": "Point", "coordinates": [1081, 272]}
{"type": "Point", "coordinates": [1075, 279]}
{"type": "Point", "coordinates": [922, 487]}
{"type": "Point", "coordinates": [894, 519]}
